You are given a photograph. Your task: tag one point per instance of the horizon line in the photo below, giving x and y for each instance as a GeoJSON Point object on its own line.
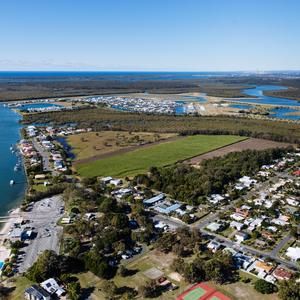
{"type": "Point", "coordinates": [161, 71]}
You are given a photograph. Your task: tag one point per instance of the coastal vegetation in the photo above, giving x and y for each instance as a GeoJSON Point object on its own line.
{"type": "Point", "coordinates": [105, 119]}
{"type": "Point", "coordinates": [140, 160]}
{"type": "Point", "coordinates": [190, 184]}
{"type": "Point", "coordinates": [98, 84]}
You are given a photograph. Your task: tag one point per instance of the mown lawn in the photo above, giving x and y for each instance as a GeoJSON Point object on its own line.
{"type": "Point", "coordinates": [20, 284]}
{"type": "Point", "coordinates": [140, 160]}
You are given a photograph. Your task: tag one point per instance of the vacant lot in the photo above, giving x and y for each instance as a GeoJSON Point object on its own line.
{"type": "Point", "coordinates": [138, 267]}
{"type": "Point", "coordinates": [240, 290]}
{"type": "Point", "coordinates": [140, 160]}
{"type": "Point", "coordinates": [96, 144]}
{"type": "Point", "coordinates": [251, 144]}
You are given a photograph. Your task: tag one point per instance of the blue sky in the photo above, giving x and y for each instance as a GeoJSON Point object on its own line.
{"type": "Point", "coordinates": [179, 35]}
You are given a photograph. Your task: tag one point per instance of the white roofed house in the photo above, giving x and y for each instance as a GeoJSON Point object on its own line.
{"type": "Point", "coordinates": [237, 217]}
{"type": "Point", "coordinates": [214, 246]}
{"type": "Point", "coordinates": [293, 253]}
{"type": "Point", "coordinates": [241, 236]}
{"type": "Point", "coordinates": [237, 225]}
{"type": "Point", "coordinates": [216, 198]}
{"type": "Point", "coordinates": [52, 287]}
{"type": "Point", "coordinates": [214, 226]}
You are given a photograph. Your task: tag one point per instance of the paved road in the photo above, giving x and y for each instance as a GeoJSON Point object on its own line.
{"type": "Point", "coordinates": [240, 247]}
{"type": "Point", "coordinates": [44, 154]}
{"type": "Point", "coordinates": [44, 217]}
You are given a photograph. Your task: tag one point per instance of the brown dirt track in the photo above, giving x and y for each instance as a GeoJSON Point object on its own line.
{"type": "Point", "coordinates": [249, 144]}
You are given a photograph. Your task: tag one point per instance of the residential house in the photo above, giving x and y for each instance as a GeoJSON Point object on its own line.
{"type": "Point", "coordinates": [214, 246]}
{"type": "Point", "coordinates": [237, 225]}
{"type": "Point", "coordinates": [281, 273]}
{"type": "Point", "coordinates": [35, 292]}
{"type": "Point", "coordinates": [237, 217]}
{"type": "Point", "coordinates": [293, 253]}
{"type": "Point", "coordinates": [262, 267]}
{"type": "Point", "coordinates": [52, 287]}
{"type": "Point", "coordinates": [241, 236]}
{"type": "Point", "coordinates": [214, 226]}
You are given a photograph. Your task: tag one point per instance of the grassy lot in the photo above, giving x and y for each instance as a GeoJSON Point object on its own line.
{"type": "Point", "coordinates": [139, 266]}
{"type": "Point", "coordinates": [20, 284]}
{"type": "Point", "coordinates": [91, 144]}
{"type": "Point", "coordinates": [240, 290]}
{"type": "Point", "coordinates": [140, 160]}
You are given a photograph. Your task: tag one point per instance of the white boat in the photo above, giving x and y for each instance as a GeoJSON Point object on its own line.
{"type": "Point", "coordinates": [12, 182]}
{"type": "Point", "coordinates": [17, 167]}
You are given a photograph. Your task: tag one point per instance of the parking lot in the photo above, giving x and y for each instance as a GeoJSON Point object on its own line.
{"type": "Point", "coordinates": [43, 218]}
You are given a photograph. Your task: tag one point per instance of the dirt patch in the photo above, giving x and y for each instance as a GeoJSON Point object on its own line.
{"type": "Point", "coordinates": [249, 144]}
{"type": "Point", "coordinates": [125, 150]}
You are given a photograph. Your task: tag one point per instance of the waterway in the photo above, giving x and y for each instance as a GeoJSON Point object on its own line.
{"type": "Point", "coordinates": [279, 112]}
{"type": "Point", "coordinates": [38, 105]}
{"type": "Point", "coordinates": [10, 196]}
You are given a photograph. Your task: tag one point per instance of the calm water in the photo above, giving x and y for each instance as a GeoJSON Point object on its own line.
{"type": "Point", "coordinates": [130, 76]}
{"type": "Point", "coordinates": [280, 112]}
{"type": "Point", "coordinates": [39, 105]}
{"type": "Point", "coordinates": [258, 91]}
{"type": "Point", "coordinates": [241, 106]}
{"type": "Point", "coordinates": [9, 134]}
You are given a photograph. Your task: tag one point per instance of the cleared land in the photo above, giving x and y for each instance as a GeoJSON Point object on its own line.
{"type": "Point", "coordinates": [251, 143]}
{"type": "Point", "coordinates": [93, 145]}
{"type": "Point", "coordinates": [140, 160]}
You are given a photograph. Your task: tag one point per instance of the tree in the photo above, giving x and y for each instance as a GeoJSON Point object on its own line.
{"type": "Point", "coordinates": [289, 290]}
{"type": "Point", "coordinates": [74, 290]}
{"type": "Point", "coordinates": [46, 266]}
{"type": "Point", "coordinates": [178, 265]}
{"type": "Point", "coordinates": [109, 288]}
{"type": "Point", "coordinates": [150, 290]}
{"type": "Point", "coordinates": [123, 271]}
{"type": "Point", "coordinates": [166, 241]}
{"type": "Point", "coordinates": [265, 287]}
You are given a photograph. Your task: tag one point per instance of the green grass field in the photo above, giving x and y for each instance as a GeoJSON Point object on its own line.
{"type": "Point", "coordinates": [140, 160]}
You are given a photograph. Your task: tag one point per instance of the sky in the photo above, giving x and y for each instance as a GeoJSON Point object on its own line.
{"type": "Point", "coordinates": [150, 35]}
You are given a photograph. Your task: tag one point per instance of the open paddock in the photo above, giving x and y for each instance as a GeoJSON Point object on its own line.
{"type": "Point", "coordinates": [248, 144]}
{"type": "Point", "coordinates": [162, 154]}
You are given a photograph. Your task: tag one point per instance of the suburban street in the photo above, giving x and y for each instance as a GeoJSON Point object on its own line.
{"type": "Point", "coordinates": [44, 154]}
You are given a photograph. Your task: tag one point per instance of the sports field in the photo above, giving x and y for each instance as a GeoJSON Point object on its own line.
{"type": "Point", "coordinates": [165, 153]}
{"type": "Point", "coordinates": [195, 294]}
{"type": "Point", "coordinates": [202, 291]}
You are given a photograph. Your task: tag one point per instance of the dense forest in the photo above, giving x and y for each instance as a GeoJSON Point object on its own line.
{"type": "Point", "coordinates": [105, 119]}
{"type": "Point", "coordinates": [192, 185]}
{"type": "Point", "coordinates": [68, 86]}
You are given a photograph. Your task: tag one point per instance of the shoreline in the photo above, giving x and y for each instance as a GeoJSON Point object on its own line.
{"type": "Point", "coordinates": [14, 213]}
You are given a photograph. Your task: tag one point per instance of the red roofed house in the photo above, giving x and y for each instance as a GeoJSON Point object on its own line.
{"type": "Point", "coordinates": [282, 274]}
{"type": "Point", "coordinates": [296, 173]}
